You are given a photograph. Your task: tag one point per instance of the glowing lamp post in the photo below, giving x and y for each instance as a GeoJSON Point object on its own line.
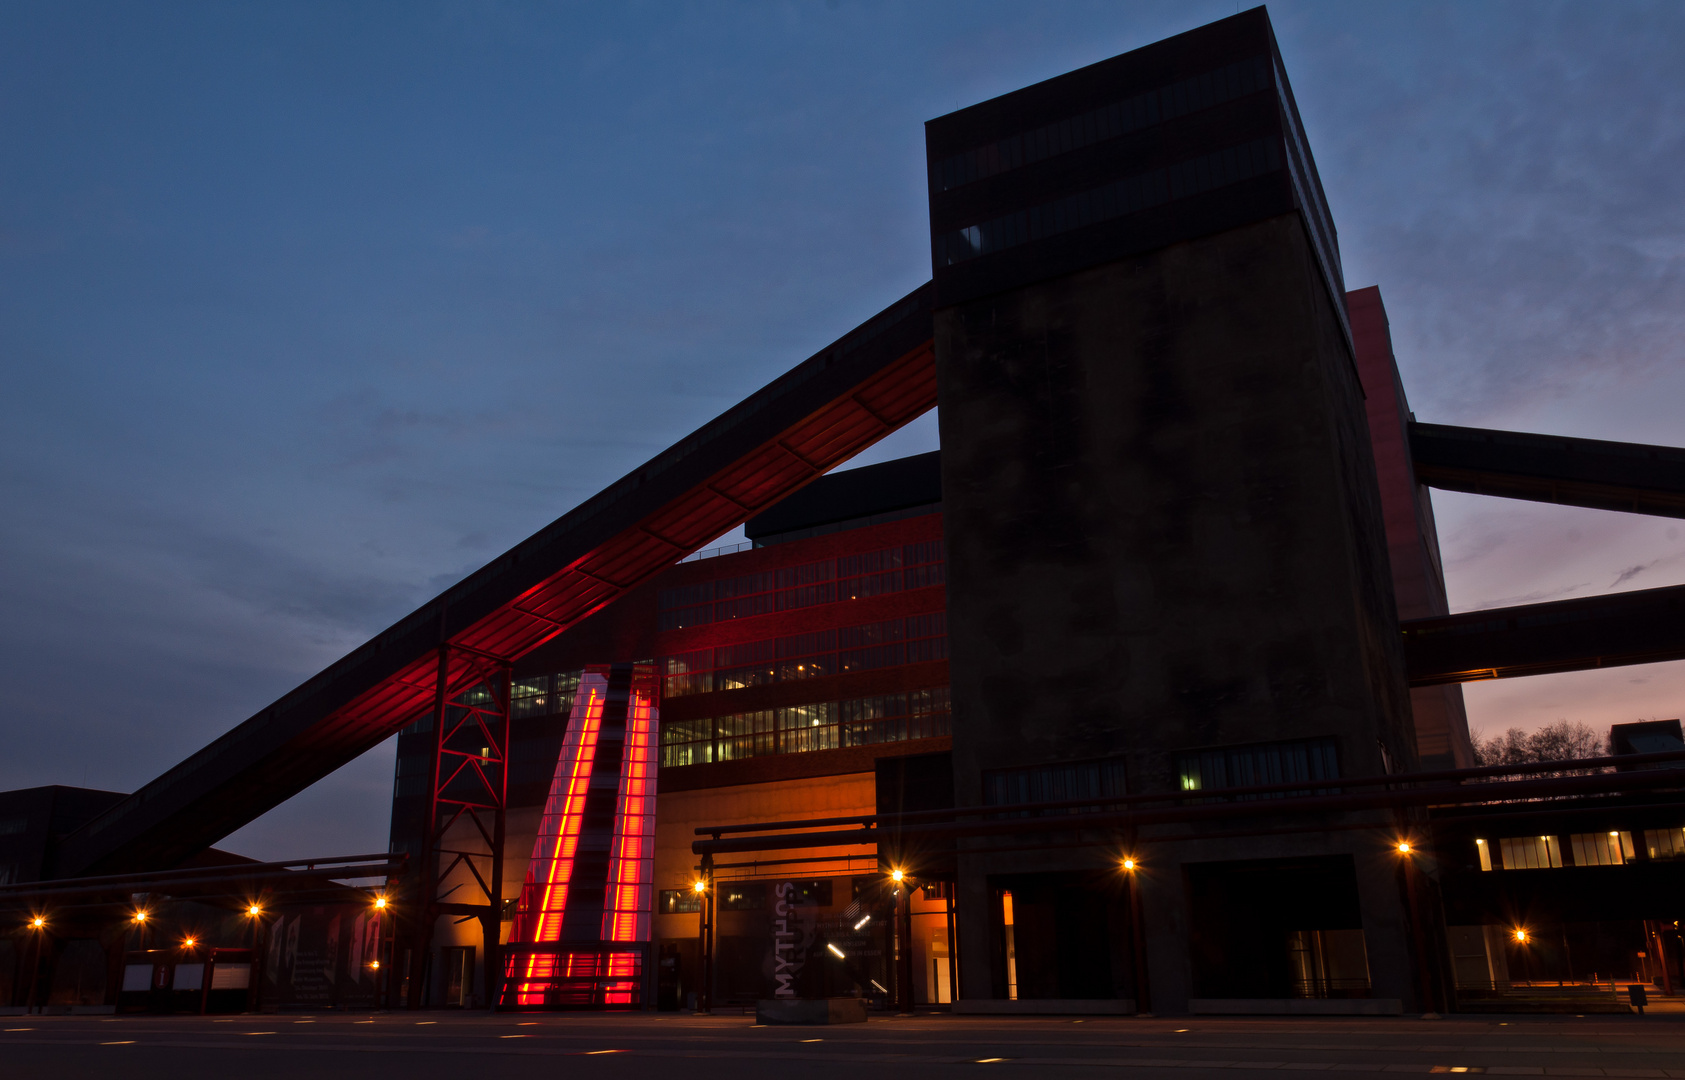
{"type": "Point", "coordinates": [1137, 936]}
{"type": "Point", "coordinates": [38, 924]}
{"type": "Point", "coordinates": [705, 928]}
{"type": "Point", "coordinates": [903, 940]}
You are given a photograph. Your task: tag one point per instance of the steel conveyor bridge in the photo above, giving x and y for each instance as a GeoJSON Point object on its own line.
{"type": "Point", "coordinates": [817, 415]}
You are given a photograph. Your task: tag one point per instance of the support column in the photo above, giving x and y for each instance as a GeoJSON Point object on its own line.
{"type": "Point", "coordinates": [467, 782]}
{"type": "Point", "coordinates": [705, 988]}
{"type": "Point", "coordinates": [904, 946]}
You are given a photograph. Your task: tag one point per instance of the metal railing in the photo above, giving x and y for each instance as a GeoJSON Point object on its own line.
{"type": "Point", "coordinates": [713, 553]}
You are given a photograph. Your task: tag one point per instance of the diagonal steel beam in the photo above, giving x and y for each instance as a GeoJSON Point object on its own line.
{"type": "Point", "coordinates": [825, 410]}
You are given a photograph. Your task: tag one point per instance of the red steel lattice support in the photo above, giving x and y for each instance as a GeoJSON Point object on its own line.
{"type": "Point", "coordinates": [460, 872]}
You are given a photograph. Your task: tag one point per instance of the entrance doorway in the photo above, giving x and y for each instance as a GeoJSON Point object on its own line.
{"type": "Point", "coordinates": [456, 973]}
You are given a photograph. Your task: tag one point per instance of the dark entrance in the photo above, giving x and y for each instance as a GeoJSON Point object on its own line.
{"type": "Point", "coordinates": [1063, 936]}
{"type": "Point", "coordinates": [1277, 928]}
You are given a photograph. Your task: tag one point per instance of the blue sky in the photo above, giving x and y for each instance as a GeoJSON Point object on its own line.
{"type": "Point", "coordinates": [308, 309]}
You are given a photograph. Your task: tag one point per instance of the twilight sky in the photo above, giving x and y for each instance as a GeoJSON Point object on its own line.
{"type": "Point", "coordinates": [306, 310]}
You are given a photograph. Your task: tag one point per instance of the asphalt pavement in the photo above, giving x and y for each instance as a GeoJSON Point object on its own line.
{"type": "Point", "coordinates": [424, 1046]}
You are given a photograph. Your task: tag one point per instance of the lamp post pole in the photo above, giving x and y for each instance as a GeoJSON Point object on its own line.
{"type": "Point", "coordinates": [1138, 939]}
{"type": "Point", "coordinates": [705, 989]}
{"type": "Point", "coordinates": [39, 927]}
{"type": "Point", "coordinates": [904, 944]}
{"type": "Point", "coordinates": [1425, 981]}
{"type": "Point", "coordinates": [254, 984]}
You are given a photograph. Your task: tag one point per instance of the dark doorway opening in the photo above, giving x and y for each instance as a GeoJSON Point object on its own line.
{"type": "Point", "coordinates": [1063, 936]}
{"type": "Point", "coordinates": [1277, 928]}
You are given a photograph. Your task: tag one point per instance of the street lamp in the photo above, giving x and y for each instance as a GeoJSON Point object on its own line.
{"type": "Point", "coordinates": [1404, 847]}
{"type": "Point", "coordinates": [38, 924]}
{"type": "Point", "coordinates": [1520, 936]}
{"type": "Point", "coordinates": [705, 931]}
{"type": "Point", "coordinates": [903, 941]}
{"type": "Point", "coordinates": [1137, 936]}
{"type": "Point", "coordinates": [380, 903]}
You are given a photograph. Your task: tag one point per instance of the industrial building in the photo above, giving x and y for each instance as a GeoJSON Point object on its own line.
{"type": "Point", "coordinates": [1141, 695]}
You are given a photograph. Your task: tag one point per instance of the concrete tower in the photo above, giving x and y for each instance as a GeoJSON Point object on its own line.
{"type": "Point", "coordinates": [1167, 561]}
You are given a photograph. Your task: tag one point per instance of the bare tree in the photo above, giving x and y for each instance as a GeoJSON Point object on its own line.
{"type": "Point", "coordinates": [1564, 740]}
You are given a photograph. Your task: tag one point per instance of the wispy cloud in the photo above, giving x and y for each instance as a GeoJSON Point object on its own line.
{"type": "Point", "coordinates": [1631, 572]}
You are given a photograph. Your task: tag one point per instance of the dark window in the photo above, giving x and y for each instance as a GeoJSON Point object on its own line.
{"type": "Point", "coordinates": [530, 697]}
{"type": "Point", "coordinates": [909, 566]}
{"type": "Point", "coordinates": [1258, 765]}
{"type": "Point", "coordinates": [918, 639]}
{"type": "Point", "coordinates": [797, 729]}
{"type": "Point", "coordinates": [750, 897]}
{"type": "Point", "coordinates": [1057, 782]}
{"type": "Point", "coordinates": [805, 892]}
{"type": "Point", "coordinates": [679, 901]}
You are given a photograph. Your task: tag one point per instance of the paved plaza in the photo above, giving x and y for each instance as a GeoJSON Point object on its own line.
{"type": "Point", "coordinates": [427, 1045]}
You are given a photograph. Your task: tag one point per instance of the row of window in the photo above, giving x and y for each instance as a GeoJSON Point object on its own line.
{"type": "Point", "coordinates": [1613, 848]}
{"type": "Point", "coordinates": [1117, 199]}
{"type": "Point", "coordinates": [1106, 122]}
{"type": "Point", "coordinates": [907, 566]}
{"type": "Point", "coordinates": [543, 695]}
{"type": "Point", "coordinates": [827, 725]}
{"type": "Point", "coordinates": [807, 656]}
{"type": "Point", "coordinates": [1054, 783]}
{"type": "Point", "coordinates": [1258, 765]}
{"type": "Point", "coordinates": [744, 896]}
